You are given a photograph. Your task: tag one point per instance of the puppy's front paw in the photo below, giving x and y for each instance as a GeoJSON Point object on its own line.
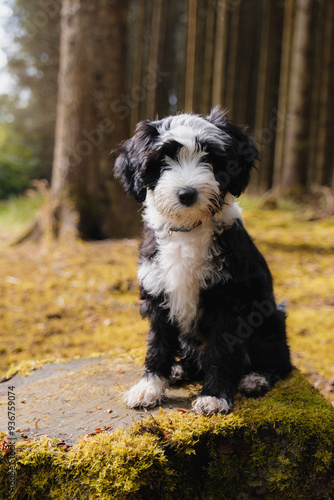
{"type": "Point", "coordinates": [148, 392]}
{"type": "Point", "coordinates": [208, 405]}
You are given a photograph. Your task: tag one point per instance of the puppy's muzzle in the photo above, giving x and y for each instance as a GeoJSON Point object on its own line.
{"type": "Point", "coordinates": [188, 196]}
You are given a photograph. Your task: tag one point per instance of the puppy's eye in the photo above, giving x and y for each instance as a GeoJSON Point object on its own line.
{"type": "Point", "coordinates": [208, 160]}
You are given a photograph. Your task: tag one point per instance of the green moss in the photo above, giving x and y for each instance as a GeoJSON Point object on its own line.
{"type": "Point", "coordinates": [278, 446]}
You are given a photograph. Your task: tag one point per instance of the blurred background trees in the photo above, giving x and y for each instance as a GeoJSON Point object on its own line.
{"type": "Point", "coordinates": [33, 62]}
{"type": "Point", "coordinates": [270, 63]}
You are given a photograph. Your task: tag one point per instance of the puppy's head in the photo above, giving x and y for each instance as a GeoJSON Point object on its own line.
{"type": "Point", "coordinates": [185, 165]}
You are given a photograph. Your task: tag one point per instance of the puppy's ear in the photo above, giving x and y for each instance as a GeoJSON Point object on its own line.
{"type": "Point", "coordinates": [241, 156]}
{"type": "Point", "coordinates": [132, 156]}
{"type": "Point", "coordinates": [234, 165]}
{"type": "Point", "coordinates": [218, 117]}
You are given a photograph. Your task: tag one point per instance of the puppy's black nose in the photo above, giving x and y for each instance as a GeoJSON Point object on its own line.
{"type": "Point", "coordinates": [188, 196]}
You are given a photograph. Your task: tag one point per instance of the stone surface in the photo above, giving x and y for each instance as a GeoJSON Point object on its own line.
{"type": "Point", "coordinates": [68, 400]}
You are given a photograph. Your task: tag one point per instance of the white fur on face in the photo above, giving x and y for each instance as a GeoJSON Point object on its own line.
{"type": "Point", "coordinates": [184, 128]}
{"type": "Point", "coordinates": [187, 170]}
{"type": "Point", "coordinates": [148, 392]}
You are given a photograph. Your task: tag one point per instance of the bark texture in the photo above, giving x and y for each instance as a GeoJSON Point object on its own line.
{"type": "Point", "coordinates": [92, 118]}
{"type": "Point", "coordinates": [294, 174]}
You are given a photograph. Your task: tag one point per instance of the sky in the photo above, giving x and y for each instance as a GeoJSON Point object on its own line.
{"type": "Point", "coordinates": [5, 80]}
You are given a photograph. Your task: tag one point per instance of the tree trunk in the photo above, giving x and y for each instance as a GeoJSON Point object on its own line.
{"type": "Point", "coordinates": [325, 129]}
{"type": "Point", "coordinates": [204, 7]}
{"type": "Point", "coordinates": [328, 169]}
{"type": "Point", "coordinates": [262, 93]}
{"type": "Point", "coordinates": [283, 89]}
{"type": "Point", "coordinates": [294, 174]}
{"type": "Point", "coordinates": [137, 62]}
{"type": "Point", "coordinates": [247, 55]}
{"type": "Point", "coordinates": [231, 83]}
{"type": "Point", "coordinates": [266, 98]}
{"type": "Point", "coordinates": [191, 55]}
{"type": "Point", "coordinates": [219, 54]}
{"type": "Point", "coordinates": [92, 118]}
{"type": "Point", "coordinates": [206, 90]}
{"type": "Point", "coordinates": [170, 91]}
{"type": "Point", "coordinates": [154, 58]}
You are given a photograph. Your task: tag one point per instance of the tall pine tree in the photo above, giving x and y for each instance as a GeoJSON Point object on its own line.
{"type": "Point", "coordinates": [91, 120]}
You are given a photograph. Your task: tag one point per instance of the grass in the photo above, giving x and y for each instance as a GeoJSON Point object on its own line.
{"type": "Point", "coordinates": [17, 213]}
{"type": "Point", "coordinates": [62, 301]}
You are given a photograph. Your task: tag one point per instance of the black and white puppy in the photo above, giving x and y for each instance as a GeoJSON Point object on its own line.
{"type": "Point", "coordinates": [205, 287]}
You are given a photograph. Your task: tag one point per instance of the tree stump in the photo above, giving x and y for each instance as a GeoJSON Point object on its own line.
{"type": "Point", "coordinates": [76, 439]}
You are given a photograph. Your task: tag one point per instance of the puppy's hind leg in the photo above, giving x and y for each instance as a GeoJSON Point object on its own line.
{"type": "Point", "coordinates": [269, 355]}
{"type": "Point", "coordinates": [254, 384]}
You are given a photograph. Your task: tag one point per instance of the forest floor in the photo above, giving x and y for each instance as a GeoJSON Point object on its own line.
{"type": "Point", "coordinates": [67, 301]}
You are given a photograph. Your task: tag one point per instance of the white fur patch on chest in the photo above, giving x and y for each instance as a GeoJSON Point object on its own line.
{"type": "Point", "coordinates": [186, 262]}
{"type": "Point", "coordinates": [181, 268]}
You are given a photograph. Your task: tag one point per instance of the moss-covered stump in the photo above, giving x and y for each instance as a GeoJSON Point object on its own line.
{"type": "Point", "coordinates": [280, 446]}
